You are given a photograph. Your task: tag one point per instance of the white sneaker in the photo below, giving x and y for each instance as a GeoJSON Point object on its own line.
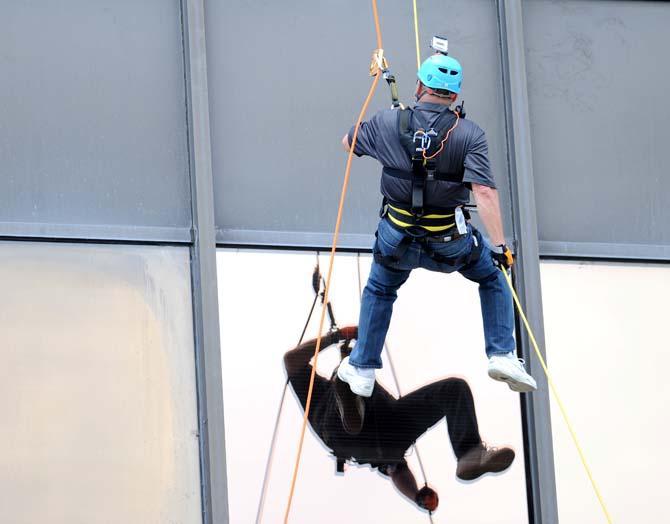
{"type": "Point", "coordinates": [508, 368]}
{"type": "Point", "coordinates": [361, 380]}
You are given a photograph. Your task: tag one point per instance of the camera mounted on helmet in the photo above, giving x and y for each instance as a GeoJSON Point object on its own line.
{"type": "Point", "coordinates": [439, 44]}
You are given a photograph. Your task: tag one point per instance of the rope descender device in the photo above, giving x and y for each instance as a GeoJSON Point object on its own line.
{"type": "Point", "coordinates": [380, 64]}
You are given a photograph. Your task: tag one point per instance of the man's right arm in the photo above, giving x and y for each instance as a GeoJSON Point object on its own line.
{"type": "Point", "coordinates": [488, 206]}
{"type": "Point", "coordinates": [345, 143]}
{"type": "Point", "coordinates": [366, 138]}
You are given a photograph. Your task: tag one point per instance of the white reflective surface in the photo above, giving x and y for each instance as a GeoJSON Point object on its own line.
{"type": "Point", "coordinates": [607, 347]}
{"type": "Point", "coordinates": [436, 332]}
{"type": "Point", "coordinates": [97, 387]}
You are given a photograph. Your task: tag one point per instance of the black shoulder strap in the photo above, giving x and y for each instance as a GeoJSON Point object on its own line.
{"type": "Point", "coordinates": [405, 131]}
{"type": "Point", "coordinates": [406, 135]}
{"type": "Point", "coordinates": [423, 123]}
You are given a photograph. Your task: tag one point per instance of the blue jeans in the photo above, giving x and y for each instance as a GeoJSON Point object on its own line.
{"type": "Point", "coordinates": [383, 283]}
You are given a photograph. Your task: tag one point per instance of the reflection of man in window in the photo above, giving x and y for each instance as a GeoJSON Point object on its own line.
{"type": "Point", "coordinates": [378, 430]}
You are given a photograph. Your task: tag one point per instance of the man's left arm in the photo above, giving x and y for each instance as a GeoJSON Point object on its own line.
{"type": "Point", "coordinates": [297, 359]}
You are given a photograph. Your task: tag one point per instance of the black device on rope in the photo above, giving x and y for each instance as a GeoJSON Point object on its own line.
{"type": "Point", "coordinates": [329, 308]}
{"type": "Point", "coordinates": [390, 80]}
{"type": "Point", "coordinates": [317, 279]}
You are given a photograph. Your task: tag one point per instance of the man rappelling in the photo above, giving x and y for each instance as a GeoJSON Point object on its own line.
{"type": "Point", "coordinates": [379, 430]}
{"type": "Point", "coordinates": [432, 159]}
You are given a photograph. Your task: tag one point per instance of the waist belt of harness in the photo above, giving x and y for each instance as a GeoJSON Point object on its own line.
{"type": "Point", "coordinates": [392, 260]}
{"type": "Point", "coordinates": [435, 175]}
{"type": "Point", "coordinates": [434, 221]}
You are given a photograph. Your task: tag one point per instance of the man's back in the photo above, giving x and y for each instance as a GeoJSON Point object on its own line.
{"type": "Point", "coordinates": [465, 151]}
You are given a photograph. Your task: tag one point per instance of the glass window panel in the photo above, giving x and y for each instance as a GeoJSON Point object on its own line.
{"type": "Point", "coordinates": [607, 345]}
{"type": "Point", "coordinates": [97, 385]}
{"type": "Point", "coordinates": [436, 332]}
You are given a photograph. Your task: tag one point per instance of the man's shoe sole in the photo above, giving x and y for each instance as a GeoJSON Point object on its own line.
{"type": "Point", "coordinates": [504, 459]}
{"type": "Point", "coordinates": [514, 385]}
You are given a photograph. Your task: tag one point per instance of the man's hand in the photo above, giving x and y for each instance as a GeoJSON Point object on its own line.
{"type": "Point", "coordinates": [426, 498]}
{"type": "Point", "coordinates": [347, 333]}
{"type": "Point", "coordinates": [345, 143]}
{"type": "Point", "coordinates": [502, 256]}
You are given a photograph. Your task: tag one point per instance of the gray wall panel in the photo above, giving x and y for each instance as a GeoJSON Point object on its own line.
{"type": "Point", "coordinates": [93, 121]}
{"type": "Point", "coordinates": [598, 85]}
{"type": "Point", "coordinates": [286, 84]}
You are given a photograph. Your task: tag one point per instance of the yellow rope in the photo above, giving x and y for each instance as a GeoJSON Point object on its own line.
{"type": "Point", "coordinates": [558, 399]}
{"type": "Point", "coordinates": [416, 37]}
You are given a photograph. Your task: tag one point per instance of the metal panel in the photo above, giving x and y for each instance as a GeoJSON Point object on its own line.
{"type": "Point", "coordinates": [93, 117]}
{"type": "Point", "coordinates": [286, 84]}
{"type": "Point", "coordinates": [97, 385]}
{"type": "Point", "coordinates": [537, 418]}
{"type": "Point", "coordinates": [599, 112]}
{"type": "Point", "coordinates": [584, 250]}
{"type": "Point", "coordinates": [203, 271]}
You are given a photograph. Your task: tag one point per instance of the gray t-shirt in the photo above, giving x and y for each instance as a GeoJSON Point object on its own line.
{"type": "Point", "coordinates": [466, 148]}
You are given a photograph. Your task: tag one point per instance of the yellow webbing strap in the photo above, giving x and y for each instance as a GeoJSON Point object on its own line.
{"type": "Point", "coordinates": [416, 36]}
{"type": "Point", "coordinates": [432, 229]}
{"type": "Point", "coordinates": [556, 397]}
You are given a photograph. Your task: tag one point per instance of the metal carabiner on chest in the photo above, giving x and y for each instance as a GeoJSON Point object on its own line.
{"type": "Point", "coordinates": [423, 139]}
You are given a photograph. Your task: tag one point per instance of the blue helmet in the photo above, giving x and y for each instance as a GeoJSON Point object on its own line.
{"type": "Point", "coordinates": [441, 72]}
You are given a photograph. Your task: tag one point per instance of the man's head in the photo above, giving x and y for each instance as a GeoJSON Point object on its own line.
{"type": "Point", "coordinates": [440, 77]}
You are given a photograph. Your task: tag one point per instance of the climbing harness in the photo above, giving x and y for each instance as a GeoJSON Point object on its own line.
{"type": "Point", "coordinates": [420, 143]}
{"type": "Point", "coordinates": [418, 222]}
{"type": "Point", "coordinates": [425, 241]}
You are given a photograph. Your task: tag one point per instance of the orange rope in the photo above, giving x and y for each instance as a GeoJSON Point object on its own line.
{"type": "Point", "coordinates": [331, 262]}
{"type": "Point", "coordinates": [444, 140]}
